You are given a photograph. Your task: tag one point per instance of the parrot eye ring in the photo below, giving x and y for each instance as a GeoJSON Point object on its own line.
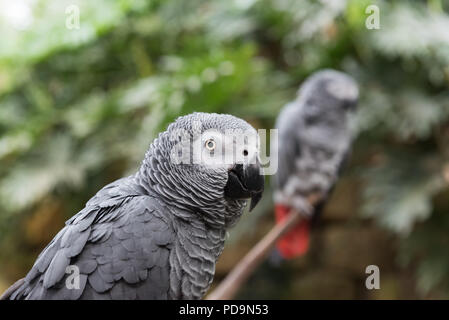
{"type": "Point", "coordinates": [245, 152]}
{"type": "Point", "coordinates": [210, 144]}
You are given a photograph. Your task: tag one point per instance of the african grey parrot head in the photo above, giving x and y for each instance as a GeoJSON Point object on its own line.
{"type": "Point", "coordinates": [328, 92]}
{"type": "Point", "coordinates": [208, 164]}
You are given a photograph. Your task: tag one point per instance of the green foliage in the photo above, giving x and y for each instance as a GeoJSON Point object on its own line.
{"type": "Point", "coordinates": [398, 198]}
{"type": "Point", "coordinates": [79, 107]}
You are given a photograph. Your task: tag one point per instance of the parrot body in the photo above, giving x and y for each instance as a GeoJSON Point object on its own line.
{"type": "Point", "coordinates": [314, 140]}
{"type": "Point", "coordinates": [154, 235]}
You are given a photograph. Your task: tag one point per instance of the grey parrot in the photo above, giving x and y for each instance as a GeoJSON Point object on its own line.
{"type": "Point", "coordinates": [158, 233]}
{"type": "Point", "coordinates": [314, 139]}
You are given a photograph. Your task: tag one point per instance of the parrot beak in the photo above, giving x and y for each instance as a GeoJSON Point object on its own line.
{"type": "Point", "coordinates": [350, 105]}
{"type": "Point", "coordinates": [245, 181]}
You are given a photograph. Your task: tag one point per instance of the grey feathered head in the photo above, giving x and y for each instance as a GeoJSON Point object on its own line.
{"type": "Point", "coordinates": [326, 90]}
{"type": "Point", "coordinates": [206, 164]}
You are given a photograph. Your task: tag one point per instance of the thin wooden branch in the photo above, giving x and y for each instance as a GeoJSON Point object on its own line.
{"type": "Point", "coordinates": [237, 277]}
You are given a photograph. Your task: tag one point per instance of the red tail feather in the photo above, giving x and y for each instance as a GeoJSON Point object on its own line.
{"type": "Point", "coordinates": [295, 242]}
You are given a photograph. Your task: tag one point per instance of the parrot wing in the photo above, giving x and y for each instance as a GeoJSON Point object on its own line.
{"type": "Point", "coordinates": [289, 144]}
{"type": "Point", "coordinates": [115, 248]}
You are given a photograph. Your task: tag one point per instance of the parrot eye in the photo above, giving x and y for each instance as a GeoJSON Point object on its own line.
{"type": "Point", "coordinates": [210, 145]}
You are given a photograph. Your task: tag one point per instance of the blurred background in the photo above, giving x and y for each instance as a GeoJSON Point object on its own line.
{"type": "Point", "coordinates": [80, 101]}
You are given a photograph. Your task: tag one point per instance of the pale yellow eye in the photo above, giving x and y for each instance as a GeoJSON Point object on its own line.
{"type": "Point", "coordinates": [210, 144]}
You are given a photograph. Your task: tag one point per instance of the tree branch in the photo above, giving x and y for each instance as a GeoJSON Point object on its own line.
{"type": "Point", "coordinates": [237, 277]}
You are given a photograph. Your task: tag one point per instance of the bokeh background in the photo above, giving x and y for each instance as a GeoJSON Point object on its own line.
{"type": "Point", "coordinates": [79, 107]}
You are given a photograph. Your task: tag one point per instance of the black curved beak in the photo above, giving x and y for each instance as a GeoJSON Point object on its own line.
{"type": "Point", "coordinates": [245, 181]}
{"type": "Point", "coordinates": [350, 105]}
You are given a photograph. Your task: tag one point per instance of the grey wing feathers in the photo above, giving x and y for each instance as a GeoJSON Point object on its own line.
{"type": "Point", "coordinates": [289, 124]}
{"type": "Point", "coordinates": [120, 249]}
{"type": "Point", "coordinates": [11, 289]}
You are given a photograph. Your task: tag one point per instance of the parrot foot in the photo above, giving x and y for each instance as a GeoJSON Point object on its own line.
{"type": "Point", "coordinates": [303, 206]}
